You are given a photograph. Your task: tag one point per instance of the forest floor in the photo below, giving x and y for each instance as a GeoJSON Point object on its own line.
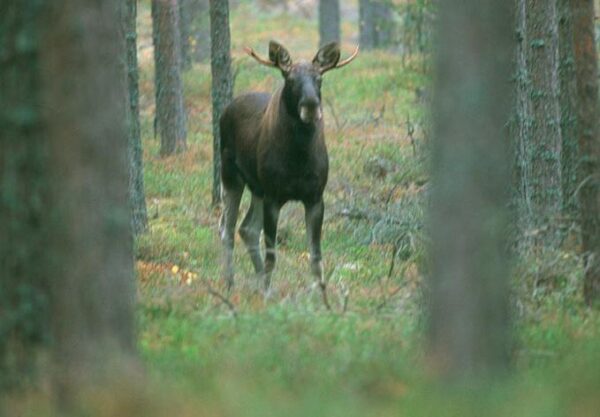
{"type": "Point", "coordinates": [288, 354]}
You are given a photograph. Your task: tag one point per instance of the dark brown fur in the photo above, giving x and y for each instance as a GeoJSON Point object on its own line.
{"type": "Point", "coordinates": [275, 145]}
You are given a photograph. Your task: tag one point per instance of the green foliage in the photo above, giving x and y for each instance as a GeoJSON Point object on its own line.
{"type": "Point", "coordinates": [287, 354]}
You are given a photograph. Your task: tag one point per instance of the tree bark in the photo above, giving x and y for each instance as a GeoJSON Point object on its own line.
{"type": "Point", "coordinates": [469, 323]}
{"type": "Point", "coordinates": [568, 116]}
{"type": "Point", "coordinates": [329, 21]}
{"type": "Point", "coordinates": [366, 24]}
{"type": "Point", "coordinates": [170, 112]}
{"type": "Point", "coordinates": [23, 195]}
{"type": "Point", "coordinates": [586, 64]}
{"type": "Point", "coordinates": [83, 102]}
{"type": "Point", "coordinates": [222, 85]}
{"type": "Point", "coordinates": [139, 215]}
{"type": "Point", "coordinates": [201, 30]}
{"type": "Point", "coordinates": [540, 185]}
{"type": "Point", "coordinates": [186, 17]}
{"type": "Point", "coordinates": [375, 24]}
{"type": "Point", "coordinates": [545, 146]}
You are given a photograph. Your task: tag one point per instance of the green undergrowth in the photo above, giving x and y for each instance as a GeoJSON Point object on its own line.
{"type": "Point", "coordinates": [243, 354]}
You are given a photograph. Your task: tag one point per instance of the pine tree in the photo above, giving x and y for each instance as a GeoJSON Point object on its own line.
{"type": "Point", "coordinates": [170, 120]}
{"type": "Point", "coordinates": [222, 84]}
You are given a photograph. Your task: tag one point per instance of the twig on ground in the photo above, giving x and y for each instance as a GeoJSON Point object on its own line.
{"type": "Point", "coordinates": [323, 286]}
{"type": "Point", "coordinates": [393, 260]}
{"type": "Point", "coordinates": [388, 298]}
{"type": "Point", "coordinates": [346, 295]}
{"type": "Point", "coordinates": [220, 297]}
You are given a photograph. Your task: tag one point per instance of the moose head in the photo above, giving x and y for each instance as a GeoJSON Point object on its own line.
{"type": "Point", "coordinates": [302, 88]}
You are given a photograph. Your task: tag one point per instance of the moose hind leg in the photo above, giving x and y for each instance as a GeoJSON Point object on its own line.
{"type": "Point", "coordinates": [314, 223]}
{"type": "Point", "coordinates": [231, 204]}
{"type": "Point", "coordinates": [250, 232]}
{"type": "Point", "coordinates": [271, 217]}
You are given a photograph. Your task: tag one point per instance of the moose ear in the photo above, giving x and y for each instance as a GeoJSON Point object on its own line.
{"type": "Point", "coordinates": [279, 56]}
{"type": "Point", "coordinates": [327, 57]}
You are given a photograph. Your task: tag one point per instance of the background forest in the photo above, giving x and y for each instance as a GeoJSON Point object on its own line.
{"type": "Point", "coordinates": [461, 238]}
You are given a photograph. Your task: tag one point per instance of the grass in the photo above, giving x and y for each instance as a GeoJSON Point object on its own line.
{"type": "Point", "coordinates": [288, 355]}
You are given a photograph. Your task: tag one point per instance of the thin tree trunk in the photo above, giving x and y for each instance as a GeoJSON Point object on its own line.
{"type": "Point", "coordinates": [170, 112]}
{"type": "Point", "coordinates": [92, 283]}
{"type": "Point", "coordinates": [568, 117]}
{"type": "Point", "coordinates": [201, 30]}
{"type": "Point", "coordinates": [586, 64]}
{"type": "Point", "coordinates": [384, 23]}
{"type": "Point", "coordinates": [539, 169]}
{"type": "Point", "coordinates": [139, 216]}
{"type": "Point", "coordinates": [366, 24]}
{"type": "Point", "coordinates": [23, 196]}
{"type": "Point", "coordinates": [222, 86]}
{"type": "Point", "coordinates": [186, 17]}
{"type": "Point", "coordinates": [522, 129]}
{"type": "Point", "coordinates": [543, 150]}
{"type": "Point", "coordinates": [329, 21]}
{"type": "Point", "coordinates": [469, 324]}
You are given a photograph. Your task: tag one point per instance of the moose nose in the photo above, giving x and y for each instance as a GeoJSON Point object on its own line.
{"type": "Point", "coordinates": [310, 110]}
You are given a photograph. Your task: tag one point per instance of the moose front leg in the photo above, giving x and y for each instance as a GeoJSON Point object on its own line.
{"type": "Point", "coordinates": [271, 217]}
{"type": "Point", "coordinates": [231, 202]}
{"type": "Point", "coordinates": [314, 223]}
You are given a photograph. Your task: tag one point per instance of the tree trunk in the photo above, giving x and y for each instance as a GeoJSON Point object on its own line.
{"type": "Point", "coordinates": [586, 65]}
{"type": "Point", "coordinates": [469, 325]}
{"type": "Point", "coordinates": [23, 195]}
{"type": "Point", "coordinates": [139, 216]}
{"type": "Point", "coordinates": [329, 21]}
{"type": "Point", "coordinates": [222, 86]}
{"type": "Point", "coordinates": [366, 24]}
{"type": "Point", "coordinates": [522, 126]}
{"type": "Point", "coordinates": [186, 17]}
{"type": "Point", "coordinates": [544, 147]}
{"type": "Point", "coordinates": [170, 112]}
{"type": "Point", "coordinates": [568, 117]}
{"type": "Point", "coordinates": [201, 30]}
{"type": "Point", "coordinates": [539, 149]}
{"type": "Point", "coordinates": [83, 102]}
{"type": "Point", "coordinates": [375, 24]}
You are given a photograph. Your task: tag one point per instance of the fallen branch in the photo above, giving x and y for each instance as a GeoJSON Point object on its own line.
{"type": "Point", "coordinates": [220, 297]}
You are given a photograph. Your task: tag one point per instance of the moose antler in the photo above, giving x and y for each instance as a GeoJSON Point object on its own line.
{"type": "Point", "coordinates": [254, 55]}
{"type": "Point", "coordinates": [340, 64]}
{"type": "Point", "coordinates": [348, 60]}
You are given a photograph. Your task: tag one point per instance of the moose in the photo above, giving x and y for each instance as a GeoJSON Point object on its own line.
{"type": "Point", "coordinates": [275, 145]}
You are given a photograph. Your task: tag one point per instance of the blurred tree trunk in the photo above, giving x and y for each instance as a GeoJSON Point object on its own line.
{"type": "Point", "coordinates": [186, 17]}
{"type": "Point", "coordinates": [222, 85]}
{"type": "Point", "coordinates": [522, 126]}
{"type": "Point", "coordinates": [568, 116]}
{"type": "Point", "coordinates": [586, 64]}
{"type": "Point", "coordinates": [23, 195]}
{"type": "Point", "coordinates": [170, 112]}
{"type": "Point", "coordinates": [469, 323]}
{"type": "Point", "coordinates": [139, 216]}
{"type": "Point", "coordinates": [375, 24]}
{"type": "Point", "coordinates": [329, 21]}
{"type": "Point", "coordinates": [366, 24]}
{"type": "Point", "coordinates": [540, 140]}
{"type": "Point", "coordinates": [200, 30]}
{"type": "Point", "coordinates": [84, 104]}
